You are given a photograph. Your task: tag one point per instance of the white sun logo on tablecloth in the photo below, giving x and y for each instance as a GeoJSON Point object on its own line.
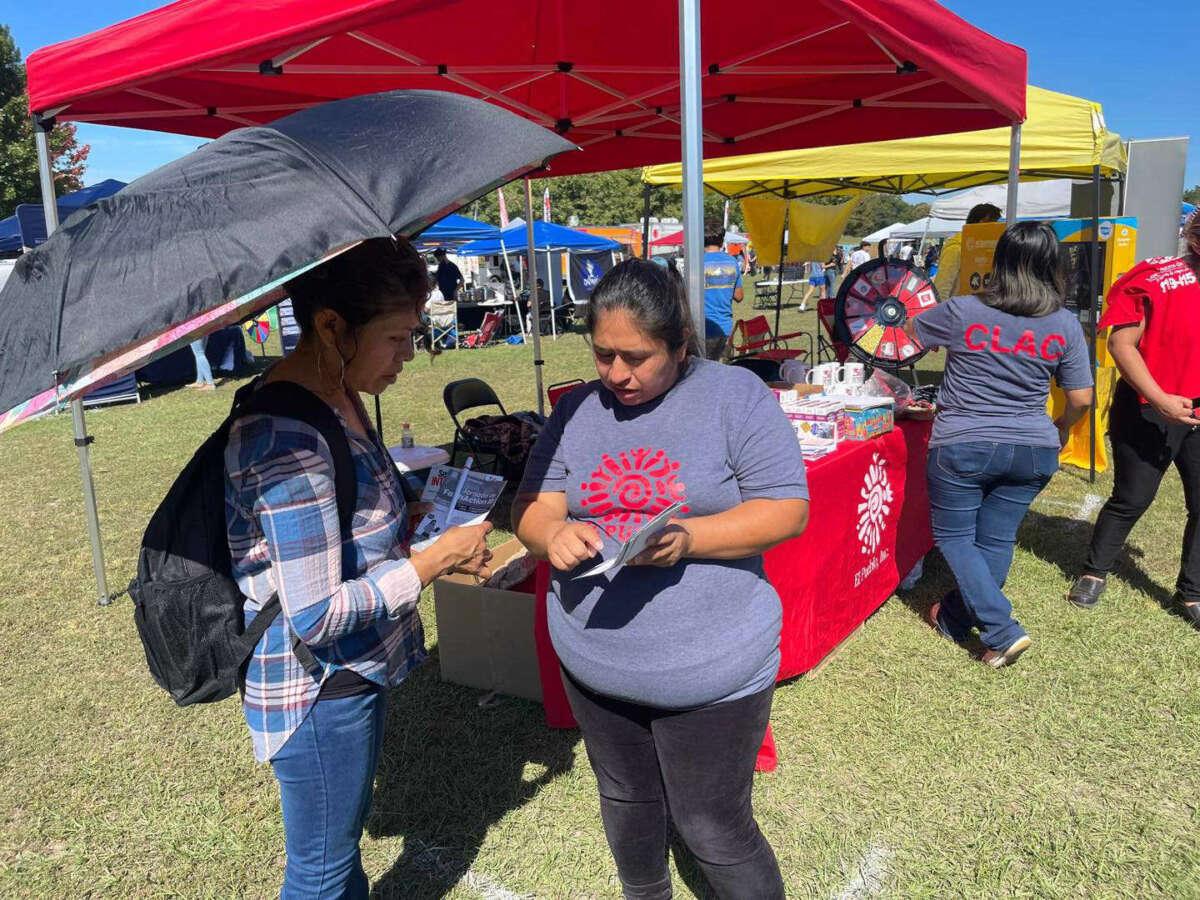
{"type": "Point", "coordinates": [876, 496]}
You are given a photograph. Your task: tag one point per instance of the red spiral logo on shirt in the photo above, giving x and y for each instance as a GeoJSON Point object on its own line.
{"type": "Point", "coordinates": [631, 489]}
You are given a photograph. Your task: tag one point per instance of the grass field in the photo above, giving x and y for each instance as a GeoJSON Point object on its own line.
{"type": "Point", "coordinates": [906, 769]}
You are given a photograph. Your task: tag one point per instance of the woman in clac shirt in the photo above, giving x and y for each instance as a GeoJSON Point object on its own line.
{"type": "Point", "coordinates": [670, 663]}
{"type": "Point", "coordinates": [1154, 312]}
{"type": "Point", "coordinates": [993, 446]}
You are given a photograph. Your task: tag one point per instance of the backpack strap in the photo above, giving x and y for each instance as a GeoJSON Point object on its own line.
{"type": "Point", "coordinates": [290, 400]}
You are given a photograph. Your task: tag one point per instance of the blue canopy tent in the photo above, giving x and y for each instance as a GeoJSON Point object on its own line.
{"type": "Point", "coordinates": [10, 235]}
{"type": "Point", "coordinates": [548, 238]}
{"type": "Point", "coordinates": [1188, 209]}
{"type": "Point", "coordinates": [454, 230]}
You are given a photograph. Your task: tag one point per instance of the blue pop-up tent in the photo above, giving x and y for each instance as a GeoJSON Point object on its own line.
{"type": "Point", "coordinates": [454, 230]}
{"type": "Point", "coordinates": [552, 240]}
{"type": "Point", "coordinates": [27, 227]}
{"type": "Point", "coordinates": [1188, 209]}
{"type": "Point", "coordinates": [546, 236]}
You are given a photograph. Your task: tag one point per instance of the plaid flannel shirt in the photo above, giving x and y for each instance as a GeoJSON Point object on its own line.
{"type": "Point", "coordinates": [285, 538]}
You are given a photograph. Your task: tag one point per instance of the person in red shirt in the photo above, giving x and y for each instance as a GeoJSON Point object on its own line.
{"type": "Point", "coordinates": [1154, 312]}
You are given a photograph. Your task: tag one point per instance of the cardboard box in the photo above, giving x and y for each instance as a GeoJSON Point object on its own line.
{"type": "Point", "coordinates": [485, 635]}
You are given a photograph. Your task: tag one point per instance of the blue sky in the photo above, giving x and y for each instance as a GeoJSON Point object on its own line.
{"type": "Point", "coordinates": [1142, 67]}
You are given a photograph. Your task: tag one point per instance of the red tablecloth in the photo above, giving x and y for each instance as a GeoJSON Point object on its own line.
{"type": "Point", "coordinates": [868, 525]}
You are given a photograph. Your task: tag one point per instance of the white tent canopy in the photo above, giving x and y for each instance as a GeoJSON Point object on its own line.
{"type": "Point", "coordinates": [928, 227]}
{"type": "Point", "coordinates": [885, 232]}
{"type": "Point", "coordinates": [1039, 200]}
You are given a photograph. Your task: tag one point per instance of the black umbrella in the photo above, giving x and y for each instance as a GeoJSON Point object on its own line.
{"type": "Point", "coordinates": [208, 239]}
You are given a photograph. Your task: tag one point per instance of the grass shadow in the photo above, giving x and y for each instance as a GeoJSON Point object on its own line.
{"type": "Point", "coordinates": [448, 772]}
{"type": "Point", "coordinates": [1063, 542]}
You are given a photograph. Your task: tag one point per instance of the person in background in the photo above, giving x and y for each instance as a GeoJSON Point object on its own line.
{"type": "Point", "coordinates": [443, 316]}
{"type": "Point", "coordinates": [993, 446]}
{"type": "Point", "coordinates": [670, 663]}
{"type": "Point", "coordinates": [204, 376]}
{"type": "Point", "coordinates": [1154, 313]}
{"type": "Point", "coordinates": [950, 259]}
{"type": "Point", "coordinates": [833, 266]}
{"type": "Point", "coordinates": [905, 252]}
{"type": "Point", "coordinates": [859, 256]}
{"type": "Point", "coordinates": [722, 288]}
{"type": "Point", "coordinates": [816, 282]}
{"type": "Point", "coordinates": [449, 276]}
{"type": "Point", "coordinates": [323, 732]}
{"type": "Point", "coordinates": [931, 259]}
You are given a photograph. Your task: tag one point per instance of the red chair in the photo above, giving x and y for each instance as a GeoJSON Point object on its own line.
{"type": "Point", "coordinates": [486, 333]}
{"type": "Point", "coordinates": [557, 391]}
{"type": "Point", "coordinates": [831, 348]}
{"type": "Point", "coordinates": [753, 337]}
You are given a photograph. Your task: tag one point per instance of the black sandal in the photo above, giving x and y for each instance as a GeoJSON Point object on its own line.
{"type": "Point", "coordinates": [1086, 591]}
{"type": "Point", "coordinates": [1189, 611]}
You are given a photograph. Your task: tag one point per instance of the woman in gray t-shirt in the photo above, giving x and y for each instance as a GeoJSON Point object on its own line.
{"type": "Point", "coordinates": [993, 446]}
{"type": "Point", "coordinates": [670, 661]}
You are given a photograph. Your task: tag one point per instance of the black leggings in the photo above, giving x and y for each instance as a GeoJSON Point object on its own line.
{"type": "Point", "coordinates": [698, 763]}
{"type": "Point", "coordinates": [1142, 453]}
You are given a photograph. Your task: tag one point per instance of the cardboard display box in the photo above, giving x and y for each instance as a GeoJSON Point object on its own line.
{"type": "Point", "coordinates": [485, 635]}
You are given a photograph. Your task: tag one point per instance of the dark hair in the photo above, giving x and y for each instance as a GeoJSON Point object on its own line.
{"type": "Point", "coordinates": [1027, 276]}
{"type": "Point", "coordinates": [984, 212]}
{"type": "Point", "coordinates": [656, 298]}
{"type": "Point", "coordinates": [883, 248]}
{"type": "Point", "coordinates": [374, 278]}
{"type": "Point", "coordinates": [714, 238]}
{"type": "Point", "coordinates": [1191, 237]}
{"type": "Point", "coordinates": [863, 245]}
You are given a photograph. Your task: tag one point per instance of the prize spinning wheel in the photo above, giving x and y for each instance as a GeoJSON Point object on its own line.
{"type": "Point", "coordinates": [874, 302]}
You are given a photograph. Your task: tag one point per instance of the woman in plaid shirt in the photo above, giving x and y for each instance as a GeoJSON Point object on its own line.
{"type": "Point", "coordinates": [322, 732]}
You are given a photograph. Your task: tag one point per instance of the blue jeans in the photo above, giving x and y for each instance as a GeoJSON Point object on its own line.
{"type": "Point", "coordinates": [978, 494]}
{"type": "Point", "coordinates": [326, 774]}
{"type": "Point", "coordinates": [203, 369]}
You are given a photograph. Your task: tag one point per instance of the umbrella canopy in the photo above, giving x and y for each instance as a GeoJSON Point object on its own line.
{"type": "Point", "coordinates": [606, 75]}
{"type": "Point", "coordinates": [1063, 136]}
{"type": "Point", "coordinates": [27, 226]}
{"type": "Point", "coordinates": [546, 236]}
{"type": "Point", "coordinates": [210, 238]}
{"type": "Point", "coordinates": [454, 230]}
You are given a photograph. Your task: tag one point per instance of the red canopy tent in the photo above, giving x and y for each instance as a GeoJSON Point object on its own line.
{"type": "Point", "coordinates": [823, 72]}
{"type": "Point", "coordinates": [676, 240]}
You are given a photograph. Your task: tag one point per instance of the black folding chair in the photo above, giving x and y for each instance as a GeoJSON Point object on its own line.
{"type": "Point", "coordinates": [460, 396]}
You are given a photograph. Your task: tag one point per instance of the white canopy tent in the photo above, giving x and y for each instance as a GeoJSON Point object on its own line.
{"type": "Point", "coordinates": [1039, 200]}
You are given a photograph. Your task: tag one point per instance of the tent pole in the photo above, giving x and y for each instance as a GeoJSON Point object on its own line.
{"type": "Point", "coordinates": [1014, 173]}
{"type": "Point", "coordinates": [534, 301]}
{"type": "Point", "coordinates": [1094, 297]}
{"type": "Point", "coordinates": [82, 441]}
{"type": "Point", "coordinates": [513, 287]}
{"type": "Point", "coordinates": [787, 210]}
{"type": "Point", "coordinates": [692, 157]}
{"type": "Point", "coordinates": [550, 290]}
{"type": "Point", "coordinates": [646, 220]}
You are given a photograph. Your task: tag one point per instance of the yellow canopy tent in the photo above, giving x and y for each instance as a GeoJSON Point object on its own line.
{"type": "Point", "coordinates": [1062, 137]}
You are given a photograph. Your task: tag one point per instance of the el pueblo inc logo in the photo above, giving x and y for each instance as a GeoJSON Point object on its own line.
{"type": "Point", "coordinates": [875, 507]}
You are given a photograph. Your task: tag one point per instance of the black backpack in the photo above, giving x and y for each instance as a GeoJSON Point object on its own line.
{"type": "Point", "coordinates": [187, 606]}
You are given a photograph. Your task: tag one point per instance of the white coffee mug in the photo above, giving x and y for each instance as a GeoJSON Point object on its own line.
{"type": "Point", "coordinates": [826, 375]}
{"type": "Point", "coordinates": [853, 374]}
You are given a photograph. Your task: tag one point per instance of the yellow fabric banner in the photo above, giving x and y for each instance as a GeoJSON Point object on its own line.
{"type": "Point", "coordinates": [813, 228]}
{"type": "Point", "coordinates": [1077, 452]}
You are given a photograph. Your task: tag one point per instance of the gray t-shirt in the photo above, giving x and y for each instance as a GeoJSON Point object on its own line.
{"type": "Point", "coordinates": [703, 630]}
{"type": "Point", "coordinates": [998, 371]}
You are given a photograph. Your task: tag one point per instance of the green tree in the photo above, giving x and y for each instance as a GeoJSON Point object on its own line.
{"type": "Point", "coordinates": [875, 211]}
{"type": "Point", "coordinates": [19, 182]}
{"type": "Point", "coordinates": [600, 198]}
{"type": "Point", "coordinates": [1193, 195]}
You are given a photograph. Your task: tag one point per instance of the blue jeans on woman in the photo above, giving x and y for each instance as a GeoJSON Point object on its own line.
{"type": "Point", "coordinates": [979, 492]}
{"type": "Point", "coordinates": [203, 369]}
{"type": "Point", "coordinates": [326, 774]}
